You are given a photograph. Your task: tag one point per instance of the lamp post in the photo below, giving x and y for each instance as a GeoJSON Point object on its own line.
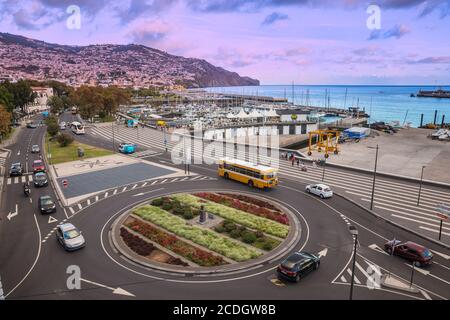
{"type": "Point", "coordinates": [354, 233]}
{"type": "Point", "coordinates": [323, 171]}
{"type": "Point", "coordinates": [420, 186]}
{"type": "Point", "coordinates": [113, 144]}
{"type": "Point", "coordinates": [374, 176]}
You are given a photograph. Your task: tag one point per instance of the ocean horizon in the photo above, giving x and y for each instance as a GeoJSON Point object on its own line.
{"type": "Point", "coordinates": [382, 102]}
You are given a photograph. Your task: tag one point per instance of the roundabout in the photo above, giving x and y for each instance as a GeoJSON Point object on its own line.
{"type": "Point", "coordinates": [316, 226]}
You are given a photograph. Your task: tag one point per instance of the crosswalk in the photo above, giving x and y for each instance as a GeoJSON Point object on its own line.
{"type": "Point", "coordinates": [366, 274]}
{"type": "Point", "coordinates": [3, 157]}
{"type": "Point", "coordinates": [20, 179]}
{"type": "Point", "coordinates": [394, 199]}
{"type": "Point", "coordinates": [146, 154]}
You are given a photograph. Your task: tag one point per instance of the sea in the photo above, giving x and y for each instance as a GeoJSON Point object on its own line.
{"type": "Point", "coordinates": [381, 103]}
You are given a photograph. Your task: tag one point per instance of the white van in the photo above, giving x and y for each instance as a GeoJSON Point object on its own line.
{"type": "Point", "coordinates": [77, 127]}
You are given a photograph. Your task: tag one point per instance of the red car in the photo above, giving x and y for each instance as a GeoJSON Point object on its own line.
{"type": "Point", "coordinates": [411, 251]}
{"type": "Point", "coordinates": [38, 166]}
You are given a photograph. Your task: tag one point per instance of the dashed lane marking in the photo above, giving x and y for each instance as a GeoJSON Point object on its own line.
{"type": "Point", "coordinates": [71, 210]}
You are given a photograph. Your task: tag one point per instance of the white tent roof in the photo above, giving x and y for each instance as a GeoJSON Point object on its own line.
{"type": "Point", "coordinates": [270, 113]}
{"type": "Point", "coordinates": [231, 116]}
{"type": "Point", "coordinates": [242, 114]}
{"type": "Point", "coordinates": [255, 114]}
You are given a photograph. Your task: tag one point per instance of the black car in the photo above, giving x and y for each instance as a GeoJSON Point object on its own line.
{"type": "Point", "coordinates": [40, 179]}
{"type": "Point", "coordinates": [297, 265]}
{"type": "Point", "coordinates": [16, 169]}
{"type": "Point", "coordinates": [46, 204]}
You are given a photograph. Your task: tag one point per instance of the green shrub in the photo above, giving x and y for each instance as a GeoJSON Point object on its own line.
{"type": "Point", "coordinates": [188, 215]}
{"type": "Point", "coordinates": [157, 202]}
{"type": "Point", "coordinates": [229, 226]}
{"type": "Point", "coordinates": [242, 228]}
{"type": "Point", "coordinates": [267, 246]}
{"type": "Point", "coordinates": [167, 206]}
{"type": "Point", "coordinates": [219, 229]}
{"type": "Point", "coordinates": [177, 209]}
{"type": "Point", "coordinates": [248, 237]}
{"type": "Point", "coordinates": [235, 234]}
{"type": "Point", "coordinates": [64, 139]}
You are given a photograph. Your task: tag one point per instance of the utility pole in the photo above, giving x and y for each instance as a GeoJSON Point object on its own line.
{"type": "Point", "coordinates": [354, 233]}
{"type": "Point", "coordinates": [374, 178]}
{"type": "Point", "coordinates": [420, 186]}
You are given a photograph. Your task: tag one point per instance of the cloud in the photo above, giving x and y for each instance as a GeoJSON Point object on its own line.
{"type": "Point", "coordinates": [274, 17]}
{"type": "Point", "coordinates": [34, 16]}
{"type": "Point", "coordinates": [367, 51]}
{"type": "Point", "coordinates": [432, 60]}
{"type": "Point", "coordinates": [138, 8]}
{"type": "Point", "coordinates": [397, 31]}
{"type": "Point", "coordinates": [149, 32]}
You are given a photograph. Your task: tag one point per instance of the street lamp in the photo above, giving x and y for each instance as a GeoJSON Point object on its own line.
{"type": "Point", "coordinates": [113, 144]}
{"type": "Point", "coordinates": [323, 171]}
{"type": "Point", "coordinates": [420, 186]}
{"type": "Point", "coordinates": [374, 176]}
{"type": "Point", "coordinates": [354, 233]}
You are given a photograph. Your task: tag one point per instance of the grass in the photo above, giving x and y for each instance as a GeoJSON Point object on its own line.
{"type": "Point", "coordinates": [206, 238]}
{"type": "Point", "coordinates": [241, 217]}
{"type": "Point", "coordinates": [70, 153]}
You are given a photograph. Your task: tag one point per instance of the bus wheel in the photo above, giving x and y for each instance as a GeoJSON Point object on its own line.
{"type": "Point", "coordinates": [225, 175]}
{"type": "Point", "coordinates": [250, 183]}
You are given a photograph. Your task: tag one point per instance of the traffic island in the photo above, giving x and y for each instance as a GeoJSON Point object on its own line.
{"type": "Point", "coordinates": [206, 233]}
{"type": "Point", "coordinates": [390, 281]}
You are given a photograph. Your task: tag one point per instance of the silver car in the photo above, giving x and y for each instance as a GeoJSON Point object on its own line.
{"type": "Point", "coordinates": [320, 190]}
{"type": "Point", "coordinates": [70, 237]}
{"type": "Point", "coordinates": [35, 149]}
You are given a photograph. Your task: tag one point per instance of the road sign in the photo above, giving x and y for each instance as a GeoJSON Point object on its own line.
{"type": "Point", "coordinates": [443, 211]}
{"type": "Point", "coordinates": [65, 183]}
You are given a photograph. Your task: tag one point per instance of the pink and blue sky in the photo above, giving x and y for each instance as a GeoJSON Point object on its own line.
{"type": "Point", "coordinates": [275, 41]}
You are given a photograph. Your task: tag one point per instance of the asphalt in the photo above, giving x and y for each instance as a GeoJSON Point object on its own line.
{"type": "Point", "coordinates": [32, 269]}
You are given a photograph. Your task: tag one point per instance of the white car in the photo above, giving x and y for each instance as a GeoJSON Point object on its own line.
{"type": "Point", "coordinates": [70, 237]}
{"type": "Point", "coordinates": [320, 190]}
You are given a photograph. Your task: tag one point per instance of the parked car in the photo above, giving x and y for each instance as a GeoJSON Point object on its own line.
{"type": "Point", "coordinates": [35, 148]}
{"type": "Point", "coordinates": [31, 125]}
{"type": "Point", "coordinates": [70, 237]}
{"type": "Point", "coordinates": [320, 190]}
{"type": "Point", "coordinates": [411, 251]}
{"type": "Point", "coordinates": [298, 265]}
{"type": "Point", "coordinates": [16, 169]}
{"type": "Point", "coordinates": [40, 179]}
{"type": "Point", "coordinates": [46, 204]}
{"type": "Point", "coordinates": [38, 166]}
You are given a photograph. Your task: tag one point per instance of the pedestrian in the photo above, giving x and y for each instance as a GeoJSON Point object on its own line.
{"type": "Point", "coordinates": [293, 160]}
{"type": "Point", "coordinates": [298, 162]}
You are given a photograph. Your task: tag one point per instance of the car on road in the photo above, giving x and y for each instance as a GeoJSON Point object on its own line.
{"type": "Point", "coordinates": [31, 125]}
{"type": "Point", "coordinates": [46, 204]}
{"type": "Point", "coordinates": [127, 148]}
{"type": "Point", "coordinates": [40, 179]}
{"type": "Point", "coordinates": [35, 148]}
{"type": "Point", "coordinates": [70, 237]}
{"type": "Point", "coordinates": [298, 265]}
{"type": "Point", "coordinates": [38, 166]}
{"type": "Point", "coordinates": [62, 126]}
{"type": "Point", "coordinates": [411, 251]}
{"type": "Point", "coordinates": [320, 190]}
{"type": "Point", "coordinates": [16, 169]}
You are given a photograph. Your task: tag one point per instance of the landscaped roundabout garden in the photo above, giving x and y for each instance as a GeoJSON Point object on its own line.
{"type": "Point", "coordinates": [203, 230]}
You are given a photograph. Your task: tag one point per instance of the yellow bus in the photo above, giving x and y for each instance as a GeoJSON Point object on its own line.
{"type": "Point", "coordinates": [253, 175]}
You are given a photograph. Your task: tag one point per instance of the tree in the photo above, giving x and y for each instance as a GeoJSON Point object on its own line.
{"type": "Point", "coordinates": [22, 93]}
{"type": "Point", "coordinates": [56, 104]}
{"type": "Point", "coordinates": [52, 126]}
{"type": "Point", "coordinates": [6, 98]}
{"type": "Point", "coordinates": [5, 121]}
{"type": "Point", "coordinates": [64, 139]}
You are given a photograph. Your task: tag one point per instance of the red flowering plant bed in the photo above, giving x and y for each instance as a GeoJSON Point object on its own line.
{"type": "Point", "coordinates": [174, 244]}
{"type": "Point", "coordinates": [244, 205]}
{"type": "Point", "coordinates": [258, 202]}
{"type": "Point", "coordinates": [144, 248]}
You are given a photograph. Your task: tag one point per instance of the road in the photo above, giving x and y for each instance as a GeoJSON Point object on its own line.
{"type": "Point", "coordinates": [32, 268]}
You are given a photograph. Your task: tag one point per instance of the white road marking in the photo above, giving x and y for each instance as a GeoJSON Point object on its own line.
{"type": "Point", "coordinates": [144, 184]}
{"type": "Point", "coordinates": [154, 182]}
{"type": "Point", "coordinates": [350, 274]}
{"type": "Point", "coordinates": [124, 189]}
{"type": "Point", "coordinates": [435, 231]}
{"type": "Point", "coordinates": [23, 179]}
{"type": "Point", "coordinates": [343, 279]}
{"type": "Point", "coordinates": [106, 195]}
{"type": "Point", "coordinates": [164, 181]}
{"type": "Point", "coordinates": [8, 181]}
{"type": "Point", "coordinates": [88, 202]}
{"type": "Point", "coordinates": [418, 221]}
{"type": "Point", "coordinates": [16, 180]}
{"type": "Point", "coordinates": [134, 187]}
{"type": "Point", "coordinates": [115, 191]}
{"type": "Point", "coordinates": [71, 210]}
{"type": "Point", "coordinates": [35, 260]}
{"type": "Point", "coordinates": [117, 290]}
{"type": "Point", "coordinates": [79, 206]}
{"type": "Point", "coordinates": [96, 198]}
